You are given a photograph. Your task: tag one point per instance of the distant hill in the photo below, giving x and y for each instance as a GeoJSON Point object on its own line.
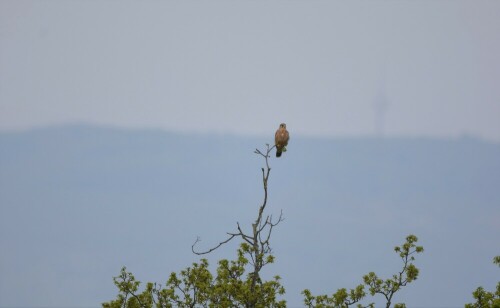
{"type": "Point", "coordinates": [79, 202]}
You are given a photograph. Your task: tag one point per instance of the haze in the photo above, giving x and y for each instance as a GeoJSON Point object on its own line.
{"type": "Point", "coordinates": [127, 128]}
{"type": "Point", "coordinates": [329, 68]}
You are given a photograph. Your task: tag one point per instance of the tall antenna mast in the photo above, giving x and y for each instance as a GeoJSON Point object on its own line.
{"type": "Point", "coordinates": [380, 106]}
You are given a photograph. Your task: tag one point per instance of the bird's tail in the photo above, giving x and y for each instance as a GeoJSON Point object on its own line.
{"type": "Point", "coordinates": [278, 153]}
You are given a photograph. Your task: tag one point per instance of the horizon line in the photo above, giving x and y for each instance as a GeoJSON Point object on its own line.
{"type": "Point", "coordinates": [116, 127]}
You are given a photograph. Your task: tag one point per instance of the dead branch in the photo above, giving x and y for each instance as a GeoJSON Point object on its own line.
{"type": "Point", "coordinates": [261, 229]}
{"type": "Point", "coordinates": [214, 248]}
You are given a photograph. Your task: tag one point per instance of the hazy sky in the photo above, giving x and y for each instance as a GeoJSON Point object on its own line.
{"type": "Point", "coordinates": [246, 66]}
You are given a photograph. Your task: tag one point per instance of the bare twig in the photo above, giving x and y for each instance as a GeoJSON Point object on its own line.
{"type": "Point", "coordinates": [214, 248]}
{"type": "Point", "coordinates": [257, 227]}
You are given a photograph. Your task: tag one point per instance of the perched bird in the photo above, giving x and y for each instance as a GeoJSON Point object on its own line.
{"type": "Point", "coordinates": [281, 139]}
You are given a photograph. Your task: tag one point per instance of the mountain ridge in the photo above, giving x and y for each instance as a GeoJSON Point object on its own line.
{"type": "Point", "coordinates": [76, 204]}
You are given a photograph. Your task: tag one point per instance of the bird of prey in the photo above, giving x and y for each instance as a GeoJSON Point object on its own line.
{"type": "Point", "coordinates": [281, 139]}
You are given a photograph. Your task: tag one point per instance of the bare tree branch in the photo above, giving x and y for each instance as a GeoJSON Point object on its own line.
{"type": "Point", "coordinates": [257, 227]}
{"type": "Point", "coordinates": [261, 229]}
{"type": "Point", "coordinates": [214, 248]}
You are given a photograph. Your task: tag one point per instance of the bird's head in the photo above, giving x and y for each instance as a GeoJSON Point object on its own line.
{"type": "Point", "coordinates": [283, 125]}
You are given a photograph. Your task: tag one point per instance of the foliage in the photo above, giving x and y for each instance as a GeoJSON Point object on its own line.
{"type": "Point", "coordinates": [195, 286]}
{"type": "Point", "coordinates": [388, 287]}
{"type": "Point", "coordinates": [408, 274]}
{"type": "Point", "coordinates": [485, 299]}
{"type": "Point", "coordinates": [339, 299]}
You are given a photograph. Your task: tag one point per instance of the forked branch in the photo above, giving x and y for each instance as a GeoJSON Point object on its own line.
{"type": "Point", "coordinates": [254, 239]}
